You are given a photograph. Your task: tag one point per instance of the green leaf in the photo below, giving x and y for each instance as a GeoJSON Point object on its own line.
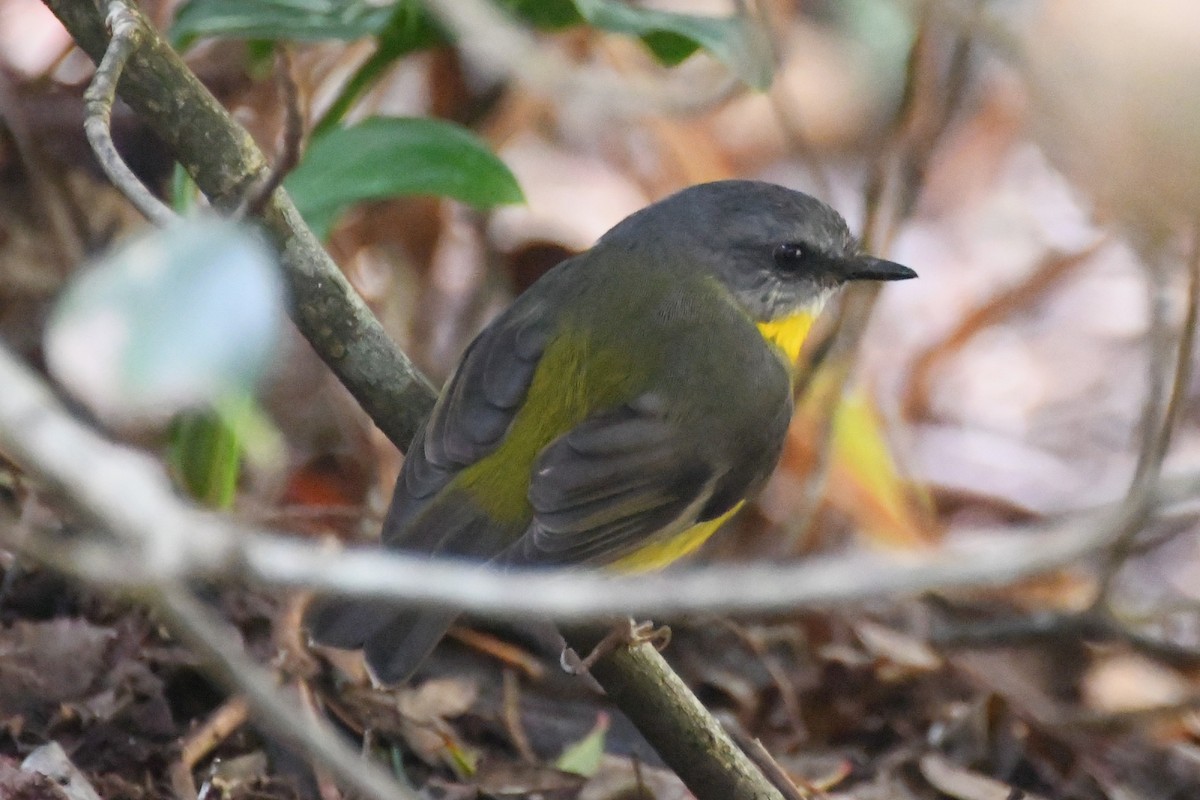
{"type": "Point", "coordinates": [735, 41]}
{"type": "Point", "coordinates": [184, 192]}
{"type": "Point", "coordinates": [583, 757]}
{"type": "Point", "coordinates": [545, 15]}
{"type": "Point", "coordinates": [206, 457]}
{"type": "Point", "coordinates": [299, 20]}
{"type": "Point", "coordinates": [207, 448]}
{"type": "Point", "coordinates": [392, 157]}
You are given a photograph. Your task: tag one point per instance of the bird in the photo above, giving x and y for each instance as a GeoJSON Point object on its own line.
{"type": "Point", "coordinates": [621, 409]}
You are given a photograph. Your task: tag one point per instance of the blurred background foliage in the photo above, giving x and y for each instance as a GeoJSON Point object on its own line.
{"type": "Point", "coordinates": [1036, 161]}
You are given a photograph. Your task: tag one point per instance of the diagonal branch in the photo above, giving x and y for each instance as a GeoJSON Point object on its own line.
{"type": "Point", "coordinates": [225, 163]}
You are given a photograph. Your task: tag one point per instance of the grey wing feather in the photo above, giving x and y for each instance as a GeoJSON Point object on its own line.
{"type": "Point", "coordinates": [614, 483]}
{"type": "Point", "coordinates": [468, 422]}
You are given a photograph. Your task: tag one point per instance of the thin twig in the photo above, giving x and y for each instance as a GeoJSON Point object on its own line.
{"type": "Point", "coordinates": [293, 135]}
{"type": "Point", "coordinates": [98, 100]}
{"type": "Point", "coordinates": [511, 656]}
{"type": "Point", "coordinates": [657, 701]}
{"type": "Point", "coordinates": [1158, 419]}
{"type": "Point", "coordinates": [511, 705]}
{"type": "Point", "coordinates": [48, 207]}
{"type": "Point", "coordinates": [784, 112]}
{"type": "Point", "coordinates": [1053, 626]}
{"type": "Point", "coordinates": [219, 726]}
{"type": "Point", "coordinates": [908, 146]}
{"type": "Point", "coordinates": [763, 759]}
{"type": "Point", "coordinates": [787, 690]}
{"type": "Point", "coordinates": [1073, 720]}
{"type": "Point", "coordinates": [228, 661]}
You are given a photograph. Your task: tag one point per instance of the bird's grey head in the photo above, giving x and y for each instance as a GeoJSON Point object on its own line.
{"type": "Point", "coordinates": [779, 251]}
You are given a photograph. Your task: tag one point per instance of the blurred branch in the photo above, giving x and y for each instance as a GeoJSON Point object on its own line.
{"type": "Point", "coordinates": [1051, 626]}
{"type": "Point", "coordinates": [224, 162]}
{"type": "Point", "coordinates": [1159, 419]}
{"type": "Point", "coordinates": [789, 122]}
{"type": "Point", "coordinates": [163, 541]}
{"type": "Point", "coordinates": [895, 179]}
{"type": "Point", "coordinates": [126, 30]}
{"type": "Point", "coordinates": [48, 204]}
{"type": "Point", "coordinates": [1074, 720]}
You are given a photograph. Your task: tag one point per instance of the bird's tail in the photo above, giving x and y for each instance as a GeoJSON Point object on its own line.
{"type": "Point", "coordinates": [394, 641]}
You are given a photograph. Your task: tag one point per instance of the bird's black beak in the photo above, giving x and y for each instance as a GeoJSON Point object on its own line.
{"type": "Point", "coordinates": [869, 268]}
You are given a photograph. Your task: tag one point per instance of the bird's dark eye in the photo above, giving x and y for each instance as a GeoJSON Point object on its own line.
{"type": "Point", "coordinates": [790, 256]}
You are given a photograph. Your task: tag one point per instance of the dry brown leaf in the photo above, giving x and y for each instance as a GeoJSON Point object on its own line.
{"type": "Point", "coordinates": [964, 784]}
{"type": "Point", "coordinates": [1127, 681]}
{"type": "Point", "coordinates": [896, 647]}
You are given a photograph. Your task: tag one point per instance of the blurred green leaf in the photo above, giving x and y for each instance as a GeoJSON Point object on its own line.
{"type": "Point", "coordinates": [184, 191]}
{"type": "Point", "coordinates": [410, 28]}
{"type": "Point", "coordinates": [583, 757]}
{"type": "Point", "coordinates": [736, 41]}
{"type": "Point", "coordinates": [206, 457]}
{"type": "Point", "coordinates": [404, 26]}
{"type": "Point", "coordinates": [546, 15]}
{"type": "Point", "coordinates": [394, 156]}
{"type": "Point", "coordinates": [298, 20]}
{"type": "Point", "coordinates": [207, 448]}
{"type": "Point", "coordinates": [176, 319]}
{"type": "Point", "coordinates": [670, 48]}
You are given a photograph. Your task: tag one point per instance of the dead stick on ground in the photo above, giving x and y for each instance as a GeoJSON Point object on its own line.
{"type": "Point", "coordinates": [218, 727]}
{"type": "Point", "coordinates": [229, 663]}
{"type": "Point", "coordinates": [512, 718]}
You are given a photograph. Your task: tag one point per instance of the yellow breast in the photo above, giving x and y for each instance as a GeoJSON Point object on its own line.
{"type": "Point", "coordinates": [788, 334]}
